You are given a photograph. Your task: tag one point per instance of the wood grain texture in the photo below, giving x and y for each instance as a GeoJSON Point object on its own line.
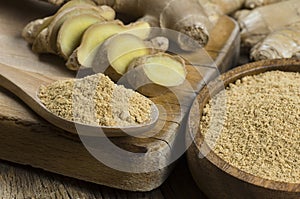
{"type": "Point", "coordinates": [27, 139]}
{"type": "Point", "coordinates": [217, 178]}
{"type": "Point", "coordinates": [21, 182]}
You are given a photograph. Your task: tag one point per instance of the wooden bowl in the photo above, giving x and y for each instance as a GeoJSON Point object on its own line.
{"type": "Point", "coordinates": [215, 177]}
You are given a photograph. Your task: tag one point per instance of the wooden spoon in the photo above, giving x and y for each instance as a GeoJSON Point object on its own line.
{"type": "Point", "coordinates": [25, 85]}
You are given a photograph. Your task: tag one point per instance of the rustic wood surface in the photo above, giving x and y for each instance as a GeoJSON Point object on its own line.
{"type": "Point", "coordinates": [217, 178]}
{"type": "Point", "coordinates": [17, 181]}
{"type": "Point", "coordinates": [27, 139]}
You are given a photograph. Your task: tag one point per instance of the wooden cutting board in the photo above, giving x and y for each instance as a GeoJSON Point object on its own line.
{"type": "Point", "coordinates": [27, 139]}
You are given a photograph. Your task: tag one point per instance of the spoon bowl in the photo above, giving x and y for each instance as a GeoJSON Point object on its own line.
{"type": "Point", "coordinates": [26, 85]}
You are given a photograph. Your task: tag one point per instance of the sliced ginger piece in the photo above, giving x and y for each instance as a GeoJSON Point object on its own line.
{"type": "Point", "coordinates": [164, 70]}
{"type": "Point", "coordinates": [33, 28]}
{"type": "Point", "coordinates": [70, 33]}
{"type": "Point", "coordinates": [45, 42]}
{"type": "Point", "coordinates": [107, 12]}
{"type": "Point", "coordinates": [97, 34]}
{"type": "Point", "coordinates": [117, 52]}
{"type": "Point", "coordinates": [123, 49]}
{"type": "Point", "coordinates": [152, 75]}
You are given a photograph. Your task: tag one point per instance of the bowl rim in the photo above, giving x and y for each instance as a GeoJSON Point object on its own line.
{"type": "Point", "coordinates": [288, 65]}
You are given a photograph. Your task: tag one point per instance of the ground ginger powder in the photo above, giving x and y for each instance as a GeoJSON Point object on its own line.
{"type": "Point", "coordinates": [260, 133]}
{"type": "Point", "coordinates": [96, 100]}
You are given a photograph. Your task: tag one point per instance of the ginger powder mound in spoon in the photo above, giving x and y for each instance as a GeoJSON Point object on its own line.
{"type": "Point", "coordinates": [260, 131]}
{"type": "Point", "coordinates": [96, 100]}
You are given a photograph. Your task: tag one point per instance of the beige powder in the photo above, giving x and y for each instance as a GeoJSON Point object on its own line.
{"type": "Point", "coordinates": [96, 100]}
{"type": "Point", "coordinates": [260, 133]}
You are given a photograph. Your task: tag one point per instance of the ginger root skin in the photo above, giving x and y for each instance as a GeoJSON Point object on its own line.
{"type": "Point", "coordinates": [55, 2]}
{"type": "Point", "coordinates": [32, 29]}
{"type": "Point", "coordinates": [157, 44]}
{"type": "Point", "coordinates": [260, 22]}
{"type": "Point", "coordinates": [216, 8]}
{"type": "Point", "coordinates": [251, 4]}
{"type": "Point", "coordinates": [283, 43]}
{"type": "Point", "coordinates": [187, 17]}
{"type": "Point", "coordinates": [239, 15]}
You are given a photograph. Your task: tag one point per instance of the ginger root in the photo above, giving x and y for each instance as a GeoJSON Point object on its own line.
{"type": "Point", "coordinates": [157, 44]}
{"type": "Point", "coordinates": [114, 55]}
{"type": "Point", "coordinates": [96, 34]}
{"type": "Point", "coordinates": [187, 17]}
{"type": "Point", "coordinates": [45, 42]}
{"type": "Point", "coordinates": [70, 33]}
{"type": "Point", "coordinates": [33, 28]}
{"type": "Point", "coordinates": [86, 35]}
{"type": "Point", "coordinates": [251, 4]}
{"type": "Point", "coordinates": [55, 2]}
{"type": "Point", "coordinates": [216, 8]}
{"type": "Point", "coordinates": [283, 43]}
{"type": "Point", "coordinates": [143, 64]}
{"type": "Point", "coordinates": [153, 75]}
{"type": "Point", "coordinates": [260, 22]}
{"type": "Point", "coordinates": [118, 51]}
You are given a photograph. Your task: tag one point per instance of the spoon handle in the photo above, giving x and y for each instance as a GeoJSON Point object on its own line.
{"type": "Point", "coordinates": [22, 83]}
{"type": "Point", "coordinates": [25, 85]}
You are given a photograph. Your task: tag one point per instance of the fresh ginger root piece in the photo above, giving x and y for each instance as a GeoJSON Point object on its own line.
{"type": "Point", "coordinates": [216, 8]}
{"type": "Point", "coordinates": [153, 21]}
{"type": "Point", "coordinates": [115, 54]}
{"type": "Point", "coordinates": [118, 51]}
{"type": "Point", "coordinates": [157, 44]}
{"type": "Point", "coordinates": [283, 43]}
{"type": "Point", "coordinates": [153, 75]}
{"type": "Point", "coordinates": [251, 4]}
{"type": "Point", "coordinates": [70, 33]}
{"type": "Point", "coordinates": [228, 6]}
{"type": "Point", "coordinates": [266, 19]}
{"type": "Point", "coordinates": [241, 14]}
{"type": "Point", "coordinates": [45, 42]}
{"type": "Point", "coordinates": [122, 49]}
{"type": "Point", "coordinates": [55, 2]}
{"type": "Point", "coordinates": [186, 17]}
{"type": "Point", "coordinates": [33, 28]}
{"type": "Point", "coordinates": [107, 12]}
{"type": "Point", "coordinates": [96, 34]}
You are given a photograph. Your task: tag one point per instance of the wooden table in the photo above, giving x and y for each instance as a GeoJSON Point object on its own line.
{"type": "Point", "coordinates": [18, 181]}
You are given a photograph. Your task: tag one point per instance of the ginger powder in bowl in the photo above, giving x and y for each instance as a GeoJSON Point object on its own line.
{"type": "Point", "coordinates": [260, 132]}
